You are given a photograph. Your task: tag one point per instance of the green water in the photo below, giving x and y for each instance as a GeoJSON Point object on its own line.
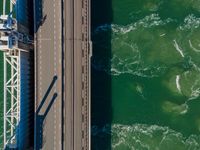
{"type": "Point", "coordinates": [146, 75]}
{"type": "Point", "coordinates": [1, 100]}
{"type": "Point", "coordinates": [1, 81]}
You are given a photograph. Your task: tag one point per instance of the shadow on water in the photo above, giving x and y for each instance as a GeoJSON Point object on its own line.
{"type": "Point", "coordinates": [101, 80]}
{"type": "Point", "coordinates": [31, 18]}
{"type": "Point", "coordinates": [31, 102]}
{"type": "Point", "coordinates": [32, 77]}
{"type": "Point", "coordinates": [40, 117]}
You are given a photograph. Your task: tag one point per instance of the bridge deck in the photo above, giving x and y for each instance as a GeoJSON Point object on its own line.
{"type": "Point", "coordinates": [77, 74]}
{"type": "Point", "coordinates": [48, 70]}
{"type": "Point", "coordinates": [62, 62]}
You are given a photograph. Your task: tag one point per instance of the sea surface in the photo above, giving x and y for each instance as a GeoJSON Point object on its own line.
{"type": "Point", "coordinates": [146, 75]}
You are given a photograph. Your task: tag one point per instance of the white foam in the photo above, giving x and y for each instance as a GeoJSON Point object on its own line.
{"type": "Point", "coordinates": [146, 22]}
{"type": "Point", "coordinates": [184, 110]}
{"type": "Point", "coordinates": [161, 35]}
{"type": "Point", "coordinates": [115, 72]}
{"type": "Point", "coordinates": [143, 136]}
{"type": "Point", "coordinates": [196, 67]}
{"type": "Point", "coordinates": [195, 94]}
{"type": "Point", "coordinates": [193, 48]}
{"type": "Point", "coordinates": [195, 90]}
{"type": "Point", "coordinates": [178, 48]}
{"type": "Point", "coordinates": [190, 22]}
{"type": "Point", "coordinates": [177, 83]}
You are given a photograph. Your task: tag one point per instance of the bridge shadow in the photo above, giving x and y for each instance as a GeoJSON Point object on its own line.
{"type": "Point", "coordinates": [31, 18]}
{"type": "Point", "coordinates": [40, 17]}
{"type": "Point", "coordinates": [40, 118]}
{"type": "Point", "coordinates": [101, 111]}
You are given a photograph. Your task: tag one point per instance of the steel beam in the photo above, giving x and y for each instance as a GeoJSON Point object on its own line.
{"type": "Point", "coordinates": [11, 96]}
{"type": "Point", "coordinates": [4, 7]}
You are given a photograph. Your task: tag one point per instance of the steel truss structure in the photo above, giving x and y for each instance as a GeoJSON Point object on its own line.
{"type": "Point", "coordinates": [11, 96]}
{"type": "Point", "coordinates": [11, 80]}
{"type": "Point", "coordinates": [9, 39]}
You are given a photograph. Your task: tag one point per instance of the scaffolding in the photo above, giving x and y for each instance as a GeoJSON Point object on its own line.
{"type": "Point", "coordinates": [9, 38]}
{"type": "Point", "coordinates": [11, 97]}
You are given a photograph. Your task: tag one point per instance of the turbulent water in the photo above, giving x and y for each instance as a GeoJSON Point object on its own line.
{"type": "Point", "coordinates": [146, 75]}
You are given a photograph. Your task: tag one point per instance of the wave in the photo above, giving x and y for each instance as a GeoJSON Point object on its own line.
{"type": "Point", "coordinates": [147, 137]}
{"type": "Point", "coordinates": [146, 22]}
{"type": "Point", "coordinates": [178, 48]}
{"type": "Point", "coordinates": [178, 83]}
{"type": "Point", "coordinates": [151, 58]}
{"type": "Point", "coordinates": [185, 82]}
{"type": "Point", "coordinates": [175, 109]}
{"type": "Point", "coordinates": [192, 77]}
{"type": "Point", "coordinates": [195, 90]}
{"type": "Point", "coordinates": [190, 22]}
{"type": "Point", "coordinates": [193, 48]}
{"type": "Point", "coordinates": [128, 61]}
{"type": "Point", "coordinates": [133, 66]}
{"type": "Point", "coordinates": [152, 20]}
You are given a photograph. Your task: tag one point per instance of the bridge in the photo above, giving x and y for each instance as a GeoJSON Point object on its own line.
{"type": "Point", "coordinates": [62, 50]}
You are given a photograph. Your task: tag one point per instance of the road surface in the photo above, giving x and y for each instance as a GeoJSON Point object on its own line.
{"type": "Point", "coordinates": [48, 75]}
{"type": "Point", "coordinates": [77, 53]}
{"type": "Point", "coordinates": [62, 64]}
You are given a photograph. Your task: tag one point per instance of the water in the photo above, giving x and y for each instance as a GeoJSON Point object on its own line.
{"type": "Point", "coordinates": [1, 100]}
{"type": "Point", "coordinates": [145, 75]}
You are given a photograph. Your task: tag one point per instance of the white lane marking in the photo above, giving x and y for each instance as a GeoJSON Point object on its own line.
{"type": "Point", "coordinates": [40, 63]}
{"type": "Point", "coordinates": [54, 48]}
{"type": "Point", "coordinates": [40, 78]}
{"type": "Point", "coordinates": [44, 39]}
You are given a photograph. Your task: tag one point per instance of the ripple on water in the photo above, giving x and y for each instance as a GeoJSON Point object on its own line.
{"type": "Point", "coordinates": [161, 48]}
{"type": "Point", "coordinates": [174, 109]}
{"type": "Point", "coordinates": [147, 137]}
{"type": "Point", "coordinates": [153, 47]}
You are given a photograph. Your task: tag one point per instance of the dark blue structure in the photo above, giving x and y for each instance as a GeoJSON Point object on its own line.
{"type": "Point", "coordinates": [24, 16]}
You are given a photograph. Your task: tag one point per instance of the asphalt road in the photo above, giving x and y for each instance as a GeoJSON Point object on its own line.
{"type": "Point", "coordinates": [77, 53]}
{"type": "Point", "coordinates": [62, 64]}
{"type": "Point", "coordinates": [48, 76]}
